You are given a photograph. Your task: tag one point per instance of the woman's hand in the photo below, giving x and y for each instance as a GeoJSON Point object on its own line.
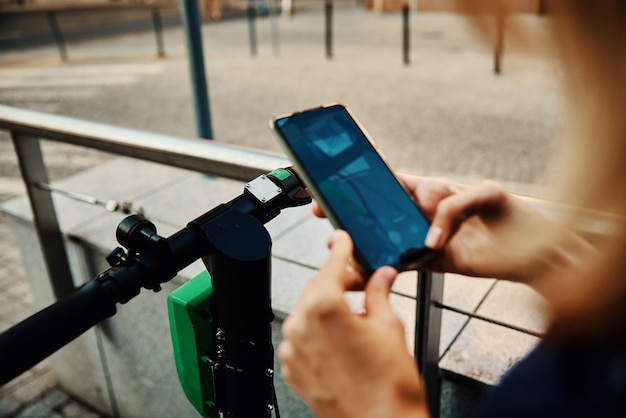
{"type": "Point", "coordinates": [481, 231]}
{"type": "Point", "coordinates": [344, 364]}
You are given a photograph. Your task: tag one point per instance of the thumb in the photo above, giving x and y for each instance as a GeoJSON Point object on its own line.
{"type": "Point", "coordinates": [335, 270]}
{"type": "Point", "coordinates": [377, 291]}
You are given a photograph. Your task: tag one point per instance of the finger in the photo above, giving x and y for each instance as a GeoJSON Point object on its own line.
{"type": "Point", "coordinates": [428, 192]}
{"type": "Point", "coordinates": [486, 200]}
{"type": "Point", "coordinates": [317, 210]}
{"type": "Point", "coordinates": [290, 363]}
{"type": "Point", "coordinates": [338, 267]}
{"type": "Point", "coordinates": [377, 291]}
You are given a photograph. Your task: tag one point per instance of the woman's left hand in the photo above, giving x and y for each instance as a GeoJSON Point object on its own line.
{"type": "Point", "coordinates": [344, 364]}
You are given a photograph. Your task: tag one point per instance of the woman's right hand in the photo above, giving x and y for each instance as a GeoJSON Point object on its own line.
{"type": "Point", "coordinates": [481, 231]}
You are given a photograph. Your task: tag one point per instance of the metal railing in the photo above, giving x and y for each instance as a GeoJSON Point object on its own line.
{"type": "Point", "coordinates": [27, 128]}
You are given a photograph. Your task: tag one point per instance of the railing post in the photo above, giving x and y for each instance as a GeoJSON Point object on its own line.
{"type": "Point", "coordinates": [499, 46]}
{"type": "Point", "coordinates": [158, 31]}
{"type": "Point", "coordinates": [273, 7]}
{"type": "Point", "coordinates": [405, 34]}
{"type": "Point", "coordinates": [191, 22]}
{"type": "Point", "coordinates": [328, 8]}
{"type": "Point", "coordinates": [57, 35]}
{"type": "Point", "coordinates": [45, 219]}
{"type": "Point", "coordinates": [427, 333]}
{"type": "Point", "coordinates": [252, 12]}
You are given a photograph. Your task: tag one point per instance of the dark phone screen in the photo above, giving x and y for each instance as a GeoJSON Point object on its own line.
{"type": "Point", "coordinates": [356, 185]}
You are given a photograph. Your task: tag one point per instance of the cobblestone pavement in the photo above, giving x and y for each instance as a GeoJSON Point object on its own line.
{"type": "Point", "coordinates": [34, 394]}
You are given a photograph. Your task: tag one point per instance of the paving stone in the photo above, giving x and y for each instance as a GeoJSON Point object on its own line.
{"type": "Point", "coordinates": [13, 310]}
{"type": "Point", "coordinates": [484, 351]}
{"type": "Point", "coordinates": [465, 293]}
{"type": "Point", "coordinates": [406, 284]}
{"type": "Point", "coordinates": [34, 387]}
{"type": "Point", "coordinates": [76, 410]}
{"type": "Point", "coordinates": [9, 405]}
{"type": "Point", "coordinates": [43, 406]}
{"type": "Point", "coordinates": [452, 324]}
{"type": "Point", "coordinates": [516, 304]}
{"type": "Point", "coordinates": [305, 244]}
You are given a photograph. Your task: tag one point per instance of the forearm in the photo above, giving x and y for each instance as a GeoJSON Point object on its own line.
{"type": "Point", "coordinates": [564, 256]}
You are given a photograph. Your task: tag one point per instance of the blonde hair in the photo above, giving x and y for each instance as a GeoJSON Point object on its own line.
{"type": "Point", "coordinates": [590, 301]}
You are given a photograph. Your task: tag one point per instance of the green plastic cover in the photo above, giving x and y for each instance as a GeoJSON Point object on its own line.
{"type": "Point", "coordinates": [190, 326]}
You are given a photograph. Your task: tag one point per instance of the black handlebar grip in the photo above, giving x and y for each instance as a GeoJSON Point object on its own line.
{"type": "Point", "coordinates": [32, 340]}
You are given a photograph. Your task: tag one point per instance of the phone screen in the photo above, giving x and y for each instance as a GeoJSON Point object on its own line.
{"type": "Point", "coordinates": [355, 187]}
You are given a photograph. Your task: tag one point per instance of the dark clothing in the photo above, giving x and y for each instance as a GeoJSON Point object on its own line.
{"type": "Point", "coordinates": [575, 381]}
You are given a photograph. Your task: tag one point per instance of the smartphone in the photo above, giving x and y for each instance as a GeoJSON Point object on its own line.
{"type": "Point", "coordinates": [349, 178]}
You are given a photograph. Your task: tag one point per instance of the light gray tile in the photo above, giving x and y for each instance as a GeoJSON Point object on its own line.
{"type": "Point", "coordinates": [306, 243]}
{"type": "Point", "coordinates": [451, 325]}
{"type": "Point", "coordinates": [123, 178]}
{"type": "Point", "coordinates": [32, 259]}
{"type": "Point", "coordinates": [485, 351]}
{"type": "Point", "coordinates": [515, 304]}
{"type": "Point", "coordinates": [465, 292]}
{"type": "Point", "coordinates": [180, 202]}
{"type": "Point", "coordinates": [459, 291]}
{"type": "Point", "coordinates": [120, 179]}
{"type": "Point", "coordinates": [405, 308]}
{"type": "Point", "coordinates": [101, 231]}
{"type": "Point", "coordinates": [141, 361]}
{"type": "Point", "coordinates": [79, 369]}
{"type": "Point", "coordinates": [288, 219]}
{"type": "Point", "coordinates": [406, 283]}
{"type": "Point", "coordinates": [288, 280]}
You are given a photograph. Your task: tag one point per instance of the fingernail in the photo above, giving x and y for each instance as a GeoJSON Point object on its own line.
{"type": "Point", "coordinates": [333, 238]}
{"type": "Point", "coordinates": [433, 238]}
{"type": "Point", "coordinates": [389, 276]}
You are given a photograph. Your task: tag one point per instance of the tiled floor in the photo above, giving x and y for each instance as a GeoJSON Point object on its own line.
{"type": "Point", "coordinates": [35, 393]}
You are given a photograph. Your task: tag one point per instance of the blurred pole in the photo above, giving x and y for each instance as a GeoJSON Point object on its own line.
{"type": "Point", "coordinates": [428, 334]}
{"type": "Point", "coordinates": [191, 22]}
{"type": "Point", "coordinates": [252, 27]}
{"type": "Point", "coordinates": [273, 8]}
{"type": "Point", "coordinates": [499, 47]}
{"type": "Point", "coordinates": [405, 34]}
{"type": "Point", "coordinates": [56, 33]}
{"type": "Point", "coordinates": [328, 8]}
{"type": "Point", "coordinates": [158, 31]}
{"type": "Point", "coordinates": [286, 8]}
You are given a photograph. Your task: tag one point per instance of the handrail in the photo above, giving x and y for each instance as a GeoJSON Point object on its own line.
{"type": "Point", "coordinates": [211, 157]}
{"type": "Point", "coordinates": [27, 127]}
